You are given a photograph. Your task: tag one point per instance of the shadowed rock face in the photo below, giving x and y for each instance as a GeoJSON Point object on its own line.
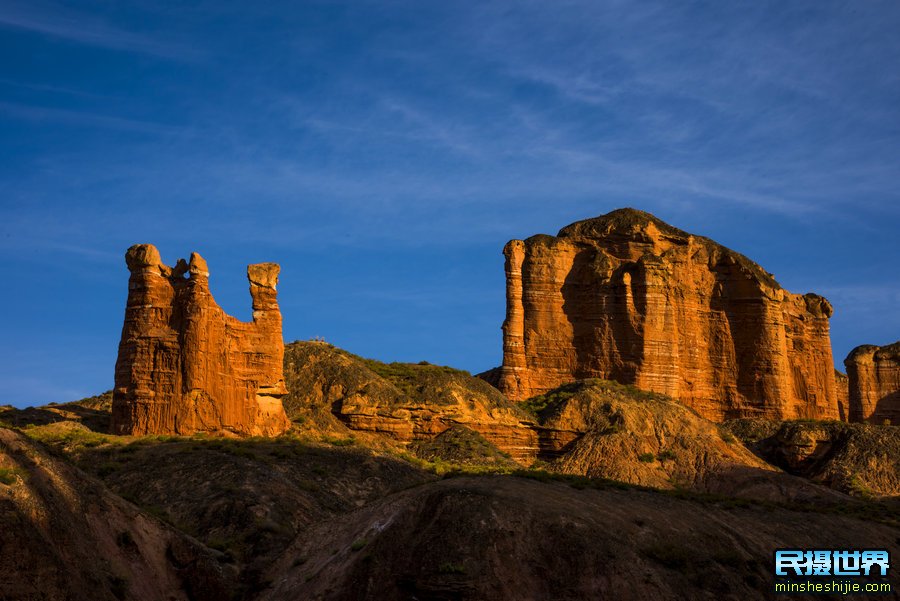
{"type": "Point", "coordinates": [874, 383]}
{"type": "Point", "coordinates": [627, 297]}
{"type": "Point", "coordinates": [184, 366]}
{"type": "Point", "coordinates": [842, 392]}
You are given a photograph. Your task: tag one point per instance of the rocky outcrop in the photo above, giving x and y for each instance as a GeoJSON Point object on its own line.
{"type": "Point", "coordinates": [184, 366]}
{"type": "Point", "coordinates": [400, 402]}
{"type": "Point", "coordinates": [627, 297]}
{"type": "Point", "coordinates": [859, 459]}
{"type": "Point", "coordinates": [645, 438]}
{"type": "Point", "coordinates": [874, 383]}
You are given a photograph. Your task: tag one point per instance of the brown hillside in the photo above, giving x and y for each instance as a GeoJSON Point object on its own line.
{"type": "Point", "coordinates": [512, 538]}
{"type": "Point", "coordinates": [63, 535]}
{"type": "Point", "coordinates": [648, 439]}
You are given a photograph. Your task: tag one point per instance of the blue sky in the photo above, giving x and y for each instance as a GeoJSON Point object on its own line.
{"type": "Point", "coordinates": [383, 153]}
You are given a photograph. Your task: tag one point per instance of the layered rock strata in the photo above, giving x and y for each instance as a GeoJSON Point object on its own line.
{"type": "Point", "coordinates": [842, 392]}
{"type": "Point", "coordinates": [184, 366]}
{"type": "Point", "coordinates": [874, 383]}
{"type": "Point", "coordinates": [627, 297]}
{"type": "Point", "coordinates": [402, 402]}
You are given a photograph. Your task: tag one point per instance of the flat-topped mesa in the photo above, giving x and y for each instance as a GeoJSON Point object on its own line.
{"type": "Point", "coordinates": [184, 366]}
{"type": "Point", "coordinates": [874, 383]}
{"type": "Point", "coordinates": [627, 297]}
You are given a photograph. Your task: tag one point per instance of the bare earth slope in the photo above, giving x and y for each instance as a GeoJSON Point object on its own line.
{"type": "Point", "coordinates": [245, 498]}
{"type": "Point", "coordinates": [512, 538]}
{"type": "Point", "coordinates": [648, 439]}
{"type": "Point", "coordinates": [329, 521]}
{"type": "Point", "coordinates": [64, 536]}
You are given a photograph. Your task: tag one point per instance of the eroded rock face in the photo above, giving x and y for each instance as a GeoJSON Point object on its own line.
{"type": "Point", "coordinates": [842, 392]}
{"type": "Point", "coordinates": [184, 366]}
{"type": "Point", "coordinates": [627, 297]}
{"type": "Point", "coordinates": [413, 403]}
{"type": "Point", "coordinates": [874, 383]}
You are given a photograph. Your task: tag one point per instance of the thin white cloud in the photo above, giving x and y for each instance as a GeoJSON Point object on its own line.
{"type": "Point", "coordinates": [61, 22]}
{"type": "Point", "coordinates": [83, 118]}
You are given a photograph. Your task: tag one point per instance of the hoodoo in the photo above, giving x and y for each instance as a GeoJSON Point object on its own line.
{"type": "Point", "coordinates": [874, 383]}
{"type": "Point", "coordinates": [185, 366]}
{"type": "Point", "coordinates": [627, 297]}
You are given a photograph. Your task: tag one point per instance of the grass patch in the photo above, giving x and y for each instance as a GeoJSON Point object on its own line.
{"type": "Point", "coordinates": [538, 404]}
{"type": "Point", "coordinates": [9, 475]}
{"type": "Point", "coordinates": [358, 545]}
{"type": "Point", "coordinates": [340, 442]}
{"type": "Point", "coordinates": [407, 377]}
{"type": "Point", "coordinates": [451, 568]}
{"type": "Point", "coordinates": [542, 405]}
{"type": "Point", "coordinates": [66, 441]}
{"type": "Point", "coordinates": [858, 488]}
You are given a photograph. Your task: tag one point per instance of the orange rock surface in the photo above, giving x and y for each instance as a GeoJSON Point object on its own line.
{"type": "Point", "coordinates": [184, 366]}
{"type": "Point", "coordinates": [842, 391]}
{"type": "Point", "coordinates": [629, 298]}
{"type": "Point", "coordinates": [874, 383]}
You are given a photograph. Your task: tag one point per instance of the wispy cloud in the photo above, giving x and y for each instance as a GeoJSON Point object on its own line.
{"type": "Point", "coordinates": [64, 23]}
{"type": "Point", "coordinates": [85, 119]}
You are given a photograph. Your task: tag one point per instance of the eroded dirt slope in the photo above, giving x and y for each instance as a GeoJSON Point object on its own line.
{"type": "Point", "coordinates": [504, 537]}
{"type": "Point", "coordinates": [64, 536]}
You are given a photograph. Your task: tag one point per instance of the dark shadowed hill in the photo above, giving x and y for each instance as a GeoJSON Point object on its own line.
{"type": "Point", "coordinates": [64, 535]}
{"type": "Point", "coordinates": [513, 538]}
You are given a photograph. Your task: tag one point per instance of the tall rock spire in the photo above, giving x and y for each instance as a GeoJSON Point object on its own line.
{"type": "Point", "coordinates": [184, 366]}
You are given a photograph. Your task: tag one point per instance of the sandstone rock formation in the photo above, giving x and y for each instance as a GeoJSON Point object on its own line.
{"type": "Point", "coordinates": [842, 393]}
{"type": "Point", "coordinates": [859, 459]}
{"type": "Point", "coordinates": [400, 402]}
{"type": "Point", "coordinates": [874, 383]}
{"type": "Point", "coordinates": [184, 366]}
{"type": "Point", "coordinates": [590, 427]}
{"type": "Point", "coordinates": [627, 297]}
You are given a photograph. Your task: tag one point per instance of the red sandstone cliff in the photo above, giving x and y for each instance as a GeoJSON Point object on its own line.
{"type": "Point", "coordinates": [184, 366]}
{"type": "Point", "coordinates": [842, 393]}
{"type": "Point", "coordinates": [874, 383]}
{"type": "Point", "coordinates": [630, 298]}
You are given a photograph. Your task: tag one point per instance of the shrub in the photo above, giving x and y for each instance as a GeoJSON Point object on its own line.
{"type": "Point", "coordinates": [666, 455]}
{"type": "Point", "coordinates": [646, 457]}
{"type": "Point", "coordinates": [8, 475]}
